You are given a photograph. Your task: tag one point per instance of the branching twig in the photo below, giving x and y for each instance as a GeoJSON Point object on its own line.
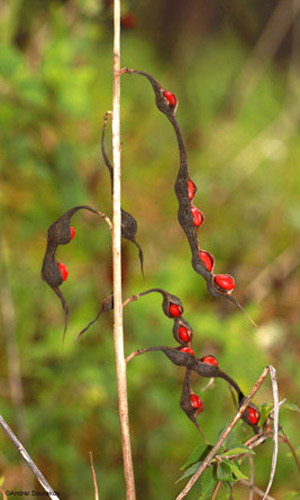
{"type": "Point", "coordinates": [256, 490]}
{"type": "Point", "coordinates": [216, 490]}
{"type": "Point", "coordinates": [223, 436]}
{"type": "Point", "coordinates": [41, 479]}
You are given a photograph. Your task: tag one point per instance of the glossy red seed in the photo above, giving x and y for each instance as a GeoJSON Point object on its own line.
{"type": "Point", "coordinates": [191, 188]}
{"type": "Point", "coordinates": [196, 402]}
{"type": "Point", "coordinates": [170, 98]}
{"type": "Point", "coordinates": [210, 360]}
{"type": "Point", "coordinates": [206, 259]}
{"type": "Point", "coordinates": [184, 334]}
{"type": "Point", "coordinates": [197, 216]}
{"type": "Point", "coordinates": [225, 281]}
{"type": "Point", "coordinates": [175, 310]}
{"type": "Point", "coordinates": [253, 415]}
{"type": "Point", "coordinates": [63, 270]}
{"type": "Point", "coordinates": [188, 350]}
{"type": "Point", "coordinates": [72, 232]}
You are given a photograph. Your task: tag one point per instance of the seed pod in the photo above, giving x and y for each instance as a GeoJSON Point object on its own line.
{"type": "Point", "coordinates": [182, 331]}
{"type": "Point", "coordinates": [107, 305]}
{"type": "Point", "coordinates": [165, 100]}
{"type": "Point", "coordinates": [224, 283]}
{"type": "Point", "coordinates": [251, 415]}
{"type": "Point", "coordinates": [172, 305]}
{"type": "Point", "coordinates": [184, 194]}
{"type": "Point", "coordinates": [60, 233]}
{"type": "Point", "coordinates": [128, 222]}
{"type": "Point", "coordinates": [186, 403]}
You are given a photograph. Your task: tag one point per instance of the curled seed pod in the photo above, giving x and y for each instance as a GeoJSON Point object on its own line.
{"type": "Point", "coordinates": [165, 100]}
{"type": "Point", "coordinates": [128, 222]}
{"type": "Point", "coordinates": [185, 400]}
{"type": "Point", "coordinates": [60, 233]}
{"type": "Point", "coordinates": [211, 360]}
{"type": "Point", "coordinates": [207, 259]}
{"type": "Point", "coordinates": [107, 305]}
{"type": "Point", "coordinates": [182, 331]}
{"type": "Point", "coordinates": [192, 188]}
{"type": "Point", "coordinates": [172, 305]}
{"type": "Point", "coordinates": [185, 216]}
{"type": "Point", "coordinates": [224, 283]}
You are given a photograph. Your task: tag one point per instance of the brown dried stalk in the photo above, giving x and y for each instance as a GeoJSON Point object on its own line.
{"type": "Point", "coordinates": [117, 280]}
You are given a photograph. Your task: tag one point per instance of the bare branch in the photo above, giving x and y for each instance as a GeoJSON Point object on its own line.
{"type": "Point", "coordinates": [256, 490]}
{"type": "Point", "coordinates": [275, 426]}
{"type": "Point", "coordinates": [94, 477]}
{"type": "Point", "coordinates": [117, 278]}
{"type": "Point", "coordinates": [36, 471]}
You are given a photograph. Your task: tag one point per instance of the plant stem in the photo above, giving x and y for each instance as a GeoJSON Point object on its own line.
{"type": "Point", "coordinates": [42, 480]}
{"type": "Point", "coordinates": [117, 277]}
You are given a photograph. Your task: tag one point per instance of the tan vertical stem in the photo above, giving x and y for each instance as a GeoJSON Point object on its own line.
{"type": "Point", "coordinates": [117, 285]}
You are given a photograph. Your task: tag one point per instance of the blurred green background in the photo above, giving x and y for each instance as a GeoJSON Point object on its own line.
{"type": "Point", "coordinates": [235, 69]}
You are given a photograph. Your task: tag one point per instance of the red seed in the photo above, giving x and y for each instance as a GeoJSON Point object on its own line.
{"type": "Point", "coordinates": [253, 415]}
{"type": "Point", "coordinates": [170, 98]}
{"type": "Point", "coordinates": [192, 189]}
{"type": "Point", "coordinates": [196, 402]}
{"type": "Point", "coordinates": [184, 334]}
{"type": "Point", "coordinates": [129, 20]}
{"type": "Point", "coordinates": [175, 310]}
{"type": "Point", "coordinates": [63, 270]}
{"type": "Point", "coordinates": [189, 350]}
{"type": "Point", "coordinates": [198, 216]}
{"type": "Point", "coordinates": [72, 232]}
{"type": "Point", "coordinates": [225, 281]}
{"type": "Point", "coordinates": [206, 259]}
{"type": "Point", "coordinates": [211, 360]}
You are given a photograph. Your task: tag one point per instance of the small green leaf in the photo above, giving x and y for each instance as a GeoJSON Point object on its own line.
{"type": "Point", "coordinates": [224, 472]}
{"type": "Point", "coordinates": [236, 470]}
{"type": "Point", "coordinates": [236, 451]}
{"type": "Point", "coordinates": [1, 480]}
{"type": "Point", "coordinates": [197, 455]}
{"type": "Point", "coordinates": [291, 406]}
{"type": "Point", "coordinates": [208, 483]}
{"type": "Point", "coordinates": [189, 471]}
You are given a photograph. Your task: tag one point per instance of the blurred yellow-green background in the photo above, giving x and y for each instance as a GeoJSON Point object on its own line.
{"type": "Point", "coordinates": [234, 66]}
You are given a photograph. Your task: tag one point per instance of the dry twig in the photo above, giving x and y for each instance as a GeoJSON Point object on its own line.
{"type": "Point", "coordinates": [41, 479]}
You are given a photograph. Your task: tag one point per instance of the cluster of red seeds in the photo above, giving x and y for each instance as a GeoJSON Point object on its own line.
{"type": "Point", "coordinates": [62, 267]}
{"type": "Point", "coordinates": [224, 282]}
{"type": "Point", "coordinates": [185, 335]}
